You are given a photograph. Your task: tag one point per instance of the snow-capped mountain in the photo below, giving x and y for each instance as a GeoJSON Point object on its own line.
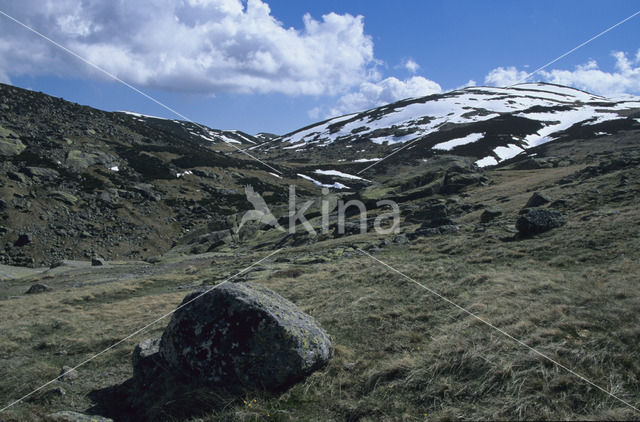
{"type": "Point", "coordinates": [486, 123]}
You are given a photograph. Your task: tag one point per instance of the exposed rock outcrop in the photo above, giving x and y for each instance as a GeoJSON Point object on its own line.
{"type": "Point", "coordinates": [538, 220]}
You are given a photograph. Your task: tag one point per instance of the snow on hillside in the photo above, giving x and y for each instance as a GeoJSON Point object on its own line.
{"type": "Point", "coordinates": [338, 174]}
{"type": "Point", "coordinates": [449, 145]}
{"type": "Point", "coordinates": [140, 115]}
{"type": "Point", "coordinates": [334, 185]}
{"type": "Point", "coordinates": [555, 107]}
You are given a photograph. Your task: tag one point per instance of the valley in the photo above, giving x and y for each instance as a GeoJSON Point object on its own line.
{"type": "Point", "coordinates": [120, 215]}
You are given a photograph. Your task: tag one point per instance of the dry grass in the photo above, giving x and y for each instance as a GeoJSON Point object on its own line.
{"type": "Point", "coordinates": [46, 331]}
{"type": "Point", "coordinates": [401, 353]}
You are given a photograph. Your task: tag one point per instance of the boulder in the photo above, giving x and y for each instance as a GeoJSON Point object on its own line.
{"type": "Point", "coordinates": [146, 190]}
{"type": "Point", "coordinates": [243, 337]}
{"type": "Point", "coordinates": [17, 177]}
{"type": "Point", "coordinates": [537, 200]}
{"type": "Point", "coordinates": [430, 215]}
{"type": "Point", "coordinates": [146, 360]}
{"type": "Point", "coordinates": [63, 197]}
{"type": "Point", "coordinates": [539, 220]}
{"type": "Point", "coordinates": [41, 173]}
{"type": "Point", "coordinates": [401, 239]}
{"type": "Point", "coordinates": [67, 373]}
{"type": "Point", "coordinates": [79, 160]}
{"type": "Point", "coordinates": [457, 178]}
{"type": "Point", "coordinates": [216, 237]}
{"type": "Point", "coordinates": [11, 146]}
{"type": "Point", "coordinates": [37, 288]}
{"type": "Point", "coordinates": [23, 240]}
{"type": "Point", "coordinates": [434, 231]}
{"type": "Point", "coordinates": [490, 215]}
{"type": "Point", "coordinates": [71, 416]}
{"type": "Point", "coordinates": [97, 262]}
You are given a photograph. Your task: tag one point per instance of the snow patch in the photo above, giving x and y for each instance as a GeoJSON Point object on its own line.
{"type": "Point", "coordinates": [486, 161]}
{"type": "Point", "coordinates": [507, 152]}
{"type": "Point", "coordinates": [449, 145]}
{"type": "Point", "coordinates": [114, 168]}
{"type": "Point", "coordinates": [366, 160]}
{"type": "Point", "coordinates": [339, 174]}
{"type": "Point", "coordinates": [297, 145]}
{"type": "Point", "coordinates": [184, 173]}
{"type": "Point", "coordinates": [142, 115]}
{"type": "Point", "coordinates": [336, 185]}
{"type": "Point", "coordinates": [238, 134]}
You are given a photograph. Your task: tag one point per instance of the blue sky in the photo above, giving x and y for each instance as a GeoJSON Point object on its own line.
{"type": "Point", "coordinates": [264, 66]}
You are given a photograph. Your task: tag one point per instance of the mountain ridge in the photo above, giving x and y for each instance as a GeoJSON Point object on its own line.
{"type": "Point", "coordinates": [414, 119]}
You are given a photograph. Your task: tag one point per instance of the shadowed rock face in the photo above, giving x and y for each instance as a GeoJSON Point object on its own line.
{"type": "Point", "coordinates": [243, 336]}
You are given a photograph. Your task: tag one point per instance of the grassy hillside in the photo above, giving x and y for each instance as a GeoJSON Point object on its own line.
{"type": "Point", "coordinates": [402, 353]}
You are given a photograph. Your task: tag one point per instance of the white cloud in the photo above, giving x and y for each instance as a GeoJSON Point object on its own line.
{"type": "Point", "coordinates": [469, 83]}
{"type": "Point", "coordinates": [501, 76]}
{"type": "Point", "coordinates": [411, 66]}
{"type": "Point", "coordinates": [204, 46]}
{"type": "Point", "coordinates": [314, 113]}
{"type": "Point", "coordinates": [389, 90]}
{"type": "Point", "coordinates": [624, 79]}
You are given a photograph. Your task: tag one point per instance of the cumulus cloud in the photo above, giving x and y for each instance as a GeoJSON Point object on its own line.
{"type": "Point", "coordinates": [204, 46]}
{"type": "Point", "coordinates": [375, 94]}
{"type": "Point", "coordinates": [624, 79]}
{"type": "Point", "coordinates": [470, 83]}
{"type": "Point", "coordinates": [502, 76]}
{"type": "Point", "coordinates": [411, 66]}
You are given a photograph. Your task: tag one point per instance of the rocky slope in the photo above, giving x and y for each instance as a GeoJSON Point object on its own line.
{"type": "Point", "coordinates": [76, 181]}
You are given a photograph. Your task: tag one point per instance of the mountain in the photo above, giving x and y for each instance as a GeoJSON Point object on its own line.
{"type": "Point", "coordinates": [488, 124]}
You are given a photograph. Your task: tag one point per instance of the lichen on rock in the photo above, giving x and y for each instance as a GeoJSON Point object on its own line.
{"type": "Point", "coordinates": [244, 336]}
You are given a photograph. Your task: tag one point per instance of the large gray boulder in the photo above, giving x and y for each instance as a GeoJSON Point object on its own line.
{"type": "Point", "coordinates": [243, 336]}
{"type": "Point", "coordinates": [539, 220]}
{"type": "Point", "coordinates": [71, 416]}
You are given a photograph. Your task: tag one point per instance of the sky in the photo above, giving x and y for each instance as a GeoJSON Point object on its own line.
{"type": "Point", "coordinates": [278, 65]}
